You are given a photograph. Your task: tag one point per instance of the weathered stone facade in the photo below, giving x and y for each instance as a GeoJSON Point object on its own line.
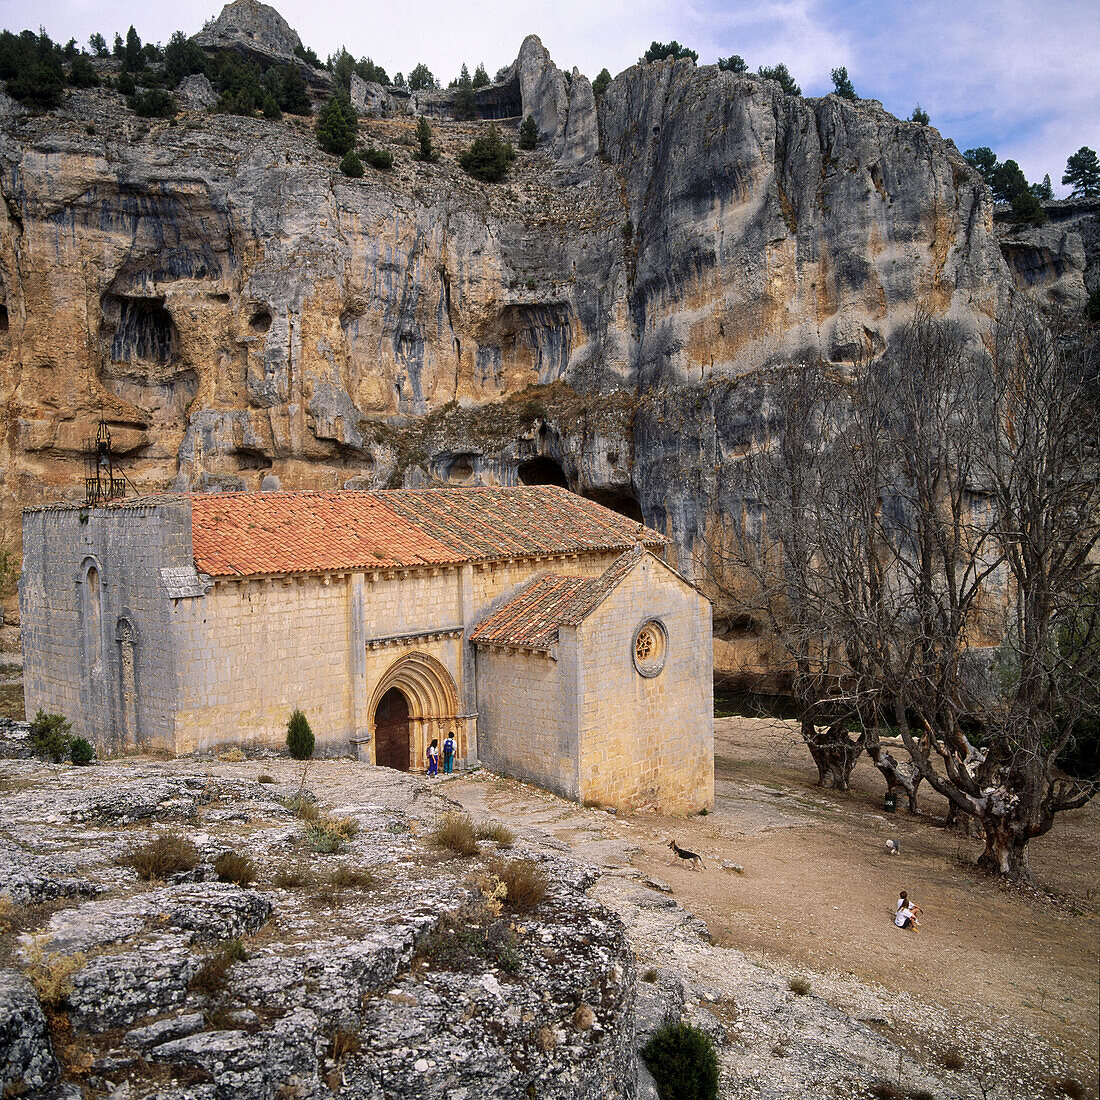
{"type": "Point", "coordinates": [139, 636]}
{"type": "Point", "coordinates": [590, 721]}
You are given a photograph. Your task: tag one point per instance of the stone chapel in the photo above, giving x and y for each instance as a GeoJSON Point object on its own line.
{"type": "Point", "coordinates": [545, 630]}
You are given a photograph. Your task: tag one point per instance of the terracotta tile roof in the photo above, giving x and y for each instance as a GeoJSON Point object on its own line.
{"type": "Point", "coordinates": [259, 534]}
{"type": "Point", "coordinates": [530, 620]}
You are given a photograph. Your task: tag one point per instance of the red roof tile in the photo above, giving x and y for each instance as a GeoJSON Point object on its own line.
{"type": "Point", "coordinates": [259, 534]}
{"type": "Point", "coordinates": [530, 620]}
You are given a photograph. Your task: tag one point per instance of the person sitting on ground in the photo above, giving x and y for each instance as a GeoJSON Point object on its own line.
{"type": "Point", "coordinates": [906, 914]}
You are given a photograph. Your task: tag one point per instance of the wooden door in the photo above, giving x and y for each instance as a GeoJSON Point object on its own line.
{"type": "Point", "coordinates": [391, 731]}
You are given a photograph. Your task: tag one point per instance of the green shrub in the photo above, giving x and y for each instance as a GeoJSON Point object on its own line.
{"type": "Point", "coordinates": [799, 986]}
{"type": "Point", "coordinates": [735, 63]}
{"type": "Point", "coordinates": [271, 108]}
{"type": "Point", "coordinates": [49, 736]}
{"type": "Point", "coordinates": [299, 737]}
{"type": "Point", "coordinates": [658, 51]}
{"type": "Point", "coordinates": [352, 166]}
{"type": "Point", "coordinates": [683, 1062]}
{"type": "Point", "coordinates": [599, 85]}
{"type": "Point", "coordinates": [81, 752]}
{"type": "Point", "coordinates": [82, 73]}
{"type": "Point", "coordinates": [781, 75]}
{"type": "Point", "coordinates": [528, 133]}
{"type": "Point", "coordinates": [920, 116]}
{"type": "Point", "coordinates": [153, 103]}
{"type": "Point", "coordinates": [265, 778]}
{"type": "Point", "coordinates": [126, 84]}
{"type": "Point", "coordinates": [488, 157]}
{"type": "Point", "coordinates": [382, 159]}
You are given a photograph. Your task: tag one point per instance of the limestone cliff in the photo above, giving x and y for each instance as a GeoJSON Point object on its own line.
{"type": "Point", "coordinates": [240, 312]}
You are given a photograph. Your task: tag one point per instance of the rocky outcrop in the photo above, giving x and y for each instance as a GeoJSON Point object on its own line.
{"type": "Point", "coordinates": [1058, 263]}
{"type": "Point", "coordinates": [385, 969]}
{"type": "Point", "coordinates": [368, 97]}
{"type": "Point", "coordinates": [239, 311]}
{"type": "Point", "coordinates": [26, 1057]}
{"type": "Point", "coordinates": [253, 28]}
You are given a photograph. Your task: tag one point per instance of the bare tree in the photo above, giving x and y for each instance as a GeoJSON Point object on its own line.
{"type": "Point", "coordinates": [919, 538]}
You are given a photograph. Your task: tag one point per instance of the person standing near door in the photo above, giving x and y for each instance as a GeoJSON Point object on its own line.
{"type": "Point", "coordinates": [449, 753]}
{"type": "Point", "coordinates": [433, 757]}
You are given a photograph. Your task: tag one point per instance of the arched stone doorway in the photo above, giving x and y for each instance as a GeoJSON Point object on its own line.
{"type": "Point", "coordinates": [414, 701]}
{"type": "Point", "coordinates": [391, 731]}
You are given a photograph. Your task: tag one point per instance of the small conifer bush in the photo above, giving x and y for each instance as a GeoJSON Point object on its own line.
{"type": "Point", "coordinates": [81, 752]}
{"type": "Point", "coordinates": [528, 133]}
{"type": "Point", "coordinates": [49, 736]}
{"type": "Point", "coordinates": [683, 1062]}
{"type": "Point", "coordinates": [299, 737]}
{"type": "Point", "coordinates": [382, 159]}
{"type": "Point", "coordinates": [352, 166]}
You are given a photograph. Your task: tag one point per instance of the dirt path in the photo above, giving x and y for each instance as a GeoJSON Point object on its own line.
{"type": "Point", "coordinates": [1007, 975]}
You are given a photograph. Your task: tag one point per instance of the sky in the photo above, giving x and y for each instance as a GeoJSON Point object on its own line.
{"type": "Point", "coordinates": [1020, 76]}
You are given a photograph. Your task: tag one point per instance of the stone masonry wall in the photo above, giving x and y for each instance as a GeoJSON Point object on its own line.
{"type": "Point", "coordinates": [251, 651]}
{"type": "Point", "coordinates": [75, 666]}
{"type": "Point", "coordinates": [648, 740]}
{"type": "Point", "coordinates": [528, 719]}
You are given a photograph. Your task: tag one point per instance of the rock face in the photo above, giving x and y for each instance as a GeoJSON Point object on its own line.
{"type": "Point", "coordinates": [239, 311]}
{"type": "Point", "coordinates": [1058, 263]}
{"type": "Point", "coordinates": [251, 27]}
{"type": "Point", "coordinates": [26, 1057]}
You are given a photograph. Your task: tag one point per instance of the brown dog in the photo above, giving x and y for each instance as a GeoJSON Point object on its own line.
{"type": "Point", "coordinates": [691, 857]}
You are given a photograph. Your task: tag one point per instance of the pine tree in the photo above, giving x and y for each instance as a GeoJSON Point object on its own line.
{"type": "Point", "coordinates": [599, 85]}
{"type": "Point", "coordinates": [780, 74]}
{"type": "Point", "coordinates": [528, 133]}
{"type": "Point", "coordinates": [920, 115]}
{"type": "Point", "coordinates": [426, 152]}
{"type": "Point", "coordinates": [735, 63]}
{"type": "Point", "coordinates": [842, 85]}
{"type": "Point", "coordinates": [337, 125]}
{"type": "Point", "coordinates": [481, 77]}
{"type": "Point", "coordinates": [488, 157]}
{"type": "Point", "coordinates": [1083, 173]}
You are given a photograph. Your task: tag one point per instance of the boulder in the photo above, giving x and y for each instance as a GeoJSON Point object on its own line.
{"type": "Point", "coordinates": [196, 92]}
{"type": "Point", "coordinates": [369, 97]}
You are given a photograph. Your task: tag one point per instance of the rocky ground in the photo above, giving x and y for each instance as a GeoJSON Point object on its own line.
{"type": "Point", "coordinates": [385, 968]}
{"type": "Point", "coordinates": [411, 985]}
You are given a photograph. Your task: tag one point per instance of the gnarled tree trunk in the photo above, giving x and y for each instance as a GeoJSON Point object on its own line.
{"type": "Point", "coordinates": [833, 751]}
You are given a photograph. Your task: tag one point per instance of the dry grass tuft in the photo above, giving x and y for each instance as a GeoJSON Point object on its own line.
{"type": "Point", "coordinates": [352, 878]}
{"type": "Point", "coordinates": [650, 975]}
{"type": "Point", "coordinates": [51, 975]}
{"type": "Point", "coordinates": [799, 986]}
{"type": "Point", "coordinates": [329, 834]}
{"type": "Point", "coordinates": [345, 1042]}
{"type": "Point", "coordinates": [583, 1017]}
{"type": "Point", "coordinates": [546, 1039]}
{"type": "Point", "coordinates": [232, 756]}
{"type": "Point", "coordinates": [294, 878]}
{"type": "Point", "coordinates": [496, 832]}
{"type": "Point", "coordinates": [302, 807]}
{"type": "Point", "coordinates": [233, 867]}
{"type": "Point", "coordinates": [526, 883]}
{"type": "Point", "coordinates": [211, 976]}
{"type": "Point", "coordinates": [169, 854]}
{"type": "Point", "coordinates": [456, 832]}
{"type": "Point", "coordinates": [265, 778]}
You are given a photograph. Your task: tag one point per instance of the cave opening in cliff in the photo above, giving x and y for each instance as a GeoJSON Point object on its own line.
{"type": "Point", "coordinates": [260, 321]}
{"type": "Point", "coordinates": [3, 318]}
{"type": "Point", "coordinates": [622, 501]}
{"type": "Point", "coordinates": [144, 329]}
{"type": "Point", "coordinates": [542, 471]}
